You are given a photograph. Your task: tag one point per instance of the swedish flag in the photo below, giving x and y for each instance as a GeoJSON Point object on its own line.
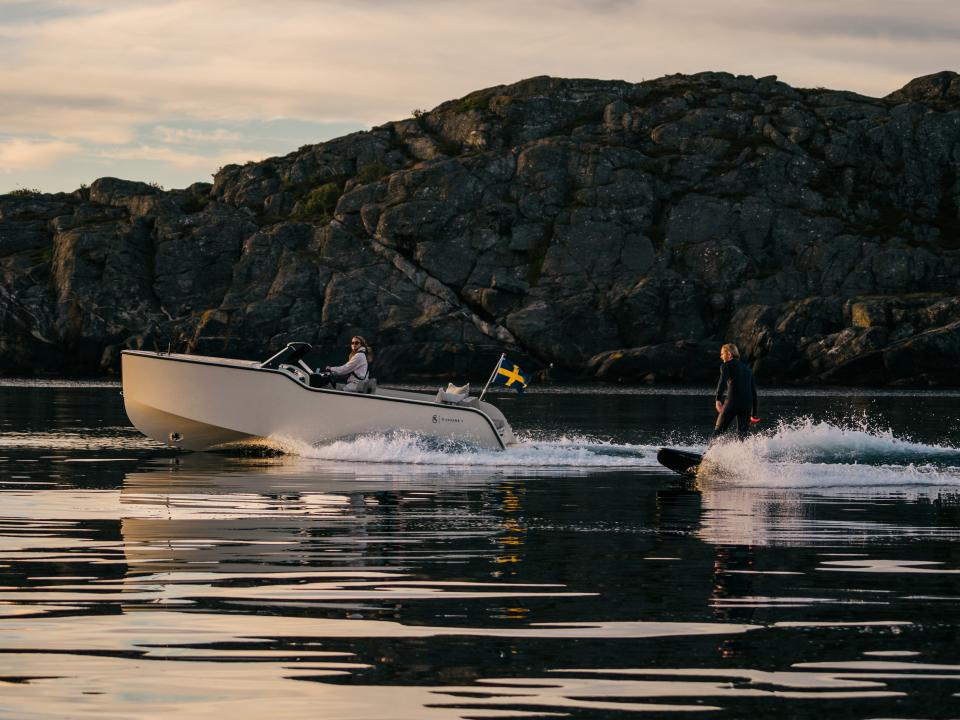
{"type": "Point", "coordinates": [509, 374]}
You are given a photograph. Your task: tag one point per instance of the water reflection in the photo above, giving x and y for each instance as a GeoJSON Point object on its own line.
{"type": "Point", "coordinates": [136, 582]}
{"type": "Point", "coordinates": [752, 516]}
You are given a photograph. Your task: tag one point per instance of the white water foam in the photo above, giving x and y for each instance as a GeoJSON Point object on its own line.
{"type": "Point", "coordinates": [799, 454]}
{"type": "Point", "coordinates": [808, 453]}
{"type": "Point", "coordinates": [566, 452]}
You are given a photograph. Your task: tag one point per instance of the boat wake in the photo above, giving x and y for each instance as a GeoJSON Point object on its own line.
{"type": "Point", "coordinates": [568, 453]}
{"type": "Point", "coordinates": [808, 453]}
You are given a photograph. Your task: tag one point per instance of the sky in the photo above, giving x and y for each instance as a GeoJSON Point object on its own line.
{"type": "Point", "coordinates": [168, 91]}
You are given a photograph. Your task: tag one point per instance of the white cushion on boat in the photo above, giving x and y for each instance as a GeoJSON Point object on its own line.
{"type": "Point", "coordinates": [450, 398]}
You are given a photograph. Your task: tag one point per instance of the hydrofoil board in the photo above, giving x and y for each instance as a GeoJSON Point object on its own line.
{"type": "Point", "coordinates": [680, 461]}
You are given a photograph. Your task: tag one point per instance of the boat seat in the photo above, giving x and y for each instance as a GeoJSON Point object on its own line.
{"type": "Point", "coordinates": [368, 386]}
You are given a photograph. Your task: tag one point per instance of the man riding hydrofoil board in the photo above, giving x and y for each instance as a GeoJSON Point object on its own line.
{"type": "Point", "coordinates": [736, 399]}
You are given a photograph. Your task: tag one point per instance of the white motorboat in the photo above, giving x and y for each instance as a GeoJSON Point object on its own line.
{"type": "Point", "coordinates": [200, 403]}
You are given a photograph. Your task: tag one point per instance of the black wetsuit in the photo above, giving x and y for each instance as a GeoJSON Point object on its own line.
{"type": "Point", "coordinates": [737, 392]}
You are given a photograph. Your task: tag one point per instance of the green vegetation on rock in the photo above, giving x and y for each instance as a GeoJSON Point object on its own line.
{"type": "Point", "coordinates": [320, 203]}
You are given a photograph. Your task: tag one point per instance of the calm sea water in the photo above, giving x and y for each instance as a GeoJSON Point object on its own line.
{"type": "Point", "coordinates": [813, 571]}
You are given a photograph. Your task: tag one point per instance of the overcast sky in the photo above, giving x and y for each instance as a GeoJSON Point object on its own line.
{"type": "Point", "coordinates": [168, 91]}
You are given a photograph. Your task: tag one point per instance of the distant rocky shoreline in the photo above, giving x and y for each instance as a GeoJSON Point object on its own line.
{"type": "Point", "coordinates": [601, 229]}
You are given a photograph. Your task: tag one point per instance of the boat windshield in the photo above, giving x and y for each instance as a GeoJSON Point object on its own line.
{"type": "Point", "coordinates": [292, 354]}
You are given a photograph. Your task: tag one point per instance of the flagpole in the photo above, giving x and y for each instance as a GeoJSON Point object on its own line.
{"type": "Point", "coordinates": [492, 375]}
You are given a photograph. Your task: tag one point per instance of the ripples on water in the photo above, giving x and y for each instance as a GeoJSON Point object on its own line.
{"type": "Point", "coordinates": [390, 577]}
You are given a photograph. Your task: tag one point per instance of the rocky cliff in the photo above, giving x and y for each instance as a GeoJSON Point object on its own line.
{"type": "Point", "coordinates": [610, 229]}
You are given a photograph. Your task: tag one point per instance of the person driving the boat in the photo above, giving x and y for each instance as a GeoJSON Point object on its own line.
{"type": "Point", "coordinates": [357, 366]}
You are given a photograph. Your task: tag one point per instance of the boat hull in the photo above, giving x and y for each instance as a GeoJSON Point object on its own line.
{"type": "Point", "coordinates": [199, 403]}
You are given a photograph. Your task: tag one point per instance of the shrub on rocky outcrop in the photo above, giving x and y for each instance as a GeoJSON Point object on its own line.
{"type": "Point", "coordinates": [319, 203]}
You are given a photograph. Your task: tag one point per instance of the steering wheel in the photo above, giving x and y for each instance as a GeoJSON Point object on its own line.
{"type": "Point", "coordinates": [297, 373]}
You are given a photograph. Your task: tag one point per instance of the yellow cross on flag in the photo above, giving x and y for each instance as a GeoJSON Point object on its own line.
{"type": "Point", "coordinates": [514, 378]}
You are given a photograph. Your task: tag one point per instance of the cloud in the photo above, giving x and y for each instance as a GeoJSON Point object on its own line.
{"type": "Point", "coordinates": [886, 21]}
{"type": "Point", "coordinates": [181, 160]}
{"type": "Point", "coordinates": [23, 154]}
{"type": "Point", "coordinates": [99, 72]}
{"type": "Point", "coordinates": [65, 113]}
{"type": "Point", "coordinates": [178, 136]}
{"type": "Point", "coordinates": [34, 11]}
{"type": "Point", "coordinates": [373, 61]}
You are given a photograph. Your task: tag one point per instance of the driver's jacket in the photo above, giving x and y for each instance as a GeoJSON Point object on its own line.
{"type": "Point", "coordinates": [353, 370]}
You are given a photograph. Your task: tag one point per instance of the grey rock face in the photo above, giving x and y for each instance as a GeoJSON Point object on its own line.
{"type": "Point", "coordinates": [939, 87]}
{"type": "Point", "coordinates": [680, 361]}
{"type": "Point", "coordinates": [611, 229]}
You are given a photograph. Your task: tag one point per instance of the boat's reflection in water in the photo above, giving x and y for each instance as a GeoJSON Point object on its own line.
{"type": "Point", "coordinates": [232, 514]}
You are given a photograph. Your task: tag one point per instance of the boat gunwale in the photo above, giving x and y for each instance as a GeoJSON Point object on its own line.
{"type": "Point", "coordinates": [232, 364]}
